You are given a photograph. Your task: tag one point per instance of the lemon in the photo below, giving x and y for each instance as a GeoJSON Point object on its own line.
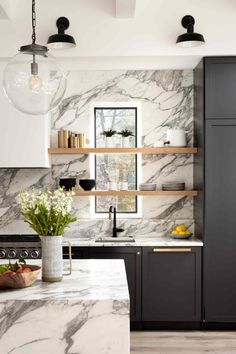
{"type": "Point", "coordinates": [182, 233]}
{"type": "Point", "coordinates": [178, 228]}
{"type": "Point", "coordinates": [183, 227]}
{"type": "Point", "coordinates": [174, 232]}
{"type": "Point", "coordinates": [187, 232]}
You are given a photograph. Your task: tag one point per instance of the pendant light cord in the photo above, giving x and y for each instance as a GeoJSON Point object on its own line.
{"type": "Point", "coordinates": [33, 22]}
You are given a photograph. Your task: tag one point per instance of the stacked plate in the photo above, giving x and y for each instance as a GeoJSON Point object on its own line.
{"type": "Point", "coordinates": [147, 186]}
{"type": "Point", "coordinates": [173, 186]}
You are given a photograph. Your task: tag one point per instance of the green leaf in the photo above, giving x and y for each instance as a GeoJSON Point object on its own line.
{"type": "Point", "coordinates": [4, 267]}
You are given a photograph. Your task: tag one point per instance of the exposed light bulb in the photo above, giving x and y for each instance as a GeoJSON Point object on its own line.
{"type": "Point", "coordinates": [35, 83]}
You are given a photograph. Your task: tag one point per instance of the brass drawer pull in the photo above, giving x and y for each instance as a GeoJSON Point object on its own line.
{"type": "Point", "coordinates": [67, 254]}
{"type": "Point", "coordinates": [172, 250]}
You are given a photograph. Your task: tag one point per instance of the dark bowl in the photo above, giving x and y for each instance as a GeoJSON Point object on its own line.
{"type": "Point", "coordinates": [87, 184]}
{"type": "Point", "coordinates": [67, 183]}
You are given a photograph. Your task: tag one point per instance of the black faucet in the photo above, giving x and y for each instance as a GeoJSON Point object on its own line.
{"type": "Point", "coordinates": [114, 229]}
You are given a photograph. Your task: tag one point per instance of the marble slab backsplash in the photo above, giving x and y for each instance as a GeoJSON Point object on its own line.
{"type": "Point", "coordinates": [166, 99]}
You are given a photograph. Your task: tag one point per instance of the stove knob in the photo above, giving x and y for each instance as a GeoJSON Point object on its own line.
{"type": "Point", "coordinates": [11, 254]}
{"type": "Point", "coordinates": [2, 254]}
{"type": "Point", "coordinates": [24, 254]}
{"type": "Point", "coordinates": [34, 254]}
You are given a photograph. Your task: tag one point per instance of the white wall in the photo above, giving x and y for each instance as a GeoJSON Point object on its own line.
{"type": "Point", "coordinates": [152, 33]}
{"type": "Point", "coordinates": [24, 138]}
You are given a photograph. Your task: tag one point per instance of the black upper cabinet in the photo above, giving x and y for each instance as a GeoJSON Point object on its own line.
{"type": "Point", "coordinates": [220, 87]}
{"type": "Point", "coordinates": [132, 257]}
{"type": "Point", "coordinates": [220, 221]}
{"type": "Point", "coordinates": [171, 284]}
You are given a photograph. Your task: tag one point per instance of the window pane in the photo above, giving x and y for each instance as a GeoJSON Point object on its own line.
{"type": "Point", "coordinates": [118, 167]}
{"type": "Point", "coordinates": [116, 119]}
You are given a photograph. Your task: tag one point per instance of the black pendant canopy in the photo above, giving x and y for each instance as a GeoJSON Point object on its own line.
{"type": "Point", "coordinates": [191, 38]}
{"type": "Point", "coordinates": [61, 40]}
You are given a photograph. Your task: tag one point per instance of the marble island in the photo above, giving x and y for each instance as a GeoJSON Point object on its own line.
{"type": "Point", "coordinates": [86, 313]}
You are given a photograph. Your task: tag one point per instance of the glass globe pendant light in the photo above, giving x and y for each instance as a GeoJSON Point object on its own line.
{"type": "Point", "coordinates": [32, 80]}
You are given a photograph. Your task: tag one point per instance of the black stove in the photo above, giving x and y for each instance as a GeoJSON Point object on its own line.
{"type": "Point", "coordinates": [16, 246]}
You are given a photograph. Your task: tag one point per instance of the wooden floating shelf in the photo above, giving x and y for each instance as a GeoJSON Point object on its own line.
{"type": "Point", "coordinates": [102, 193]}
{"type": "Point", "coordinates": [141, 150]}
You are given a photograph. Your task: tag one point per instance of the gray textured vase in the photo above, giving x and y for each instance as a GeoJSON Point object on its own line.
{"type": "Point", "coordinates": [52, 259]}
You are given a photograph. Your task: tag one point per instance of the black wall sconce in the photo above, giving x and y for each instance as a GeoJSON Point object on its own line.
{"type": "Point", "coordinates": [61, 40]}
{"type": "Point", "coordinates": [191, 38]}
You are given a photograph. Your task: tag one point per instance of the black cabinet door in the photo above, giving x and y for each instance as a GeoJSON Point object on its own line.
{"type": "Point", "coordinates": [220, 87]}
{"type": "Point", "coordinates": [171, 284]}
{"type": "Point", "coordinates": [132, 257]}
{"type": "Point", "coordinates": [220, 221]}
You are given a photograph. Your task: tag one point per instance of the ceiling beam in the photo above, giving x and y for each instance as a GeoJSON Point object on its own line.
{"type": "Point", "coordinates": [125, 8]}
{"type": "Point", "coordinates": [5, 9]}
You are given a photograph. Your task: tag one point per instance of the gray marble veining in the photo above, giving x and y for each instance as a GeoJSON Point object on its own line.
{"type": "Point", "coordinates": [90, 279]}
{"type": "Point", "coordinates": [86, 313]}
{"type": "Point", "coordinates": [166, 98]}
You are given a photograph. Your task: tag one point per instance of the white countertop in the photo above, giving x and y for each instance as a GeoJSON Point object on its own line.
{"type": "Point", "coordinates": [164, 241]}
{"type": "Point", "coordinates": [91, 279]}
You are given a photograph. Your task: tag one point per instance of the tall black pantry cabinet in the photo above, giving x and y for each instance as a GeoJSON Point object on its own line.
{"type": "Point", "coordinates": [215, 177]}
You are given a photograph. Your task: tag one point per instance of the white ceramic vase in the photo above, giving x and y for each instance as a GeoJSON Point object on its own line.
{"type": "Point", "coordinates": [125, 142]}
{"type": "Point", "coordinates": [109, 141]}
{"type": "Point", "coordinates": [52, 259]}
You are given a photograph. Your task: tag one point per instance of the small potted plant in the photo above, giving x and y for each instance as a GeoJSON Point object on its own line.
{"type": "Point", "coordinates": [126, 134]}
{"type": "Point", "coordinates": [49, 214]}
{"type": "Point", "coordinates": [108, 137]}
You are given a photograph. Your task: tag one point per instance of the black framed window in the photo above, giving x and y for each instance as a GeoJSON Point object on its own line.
{"type": "Point", "coordinates": [115, 168]}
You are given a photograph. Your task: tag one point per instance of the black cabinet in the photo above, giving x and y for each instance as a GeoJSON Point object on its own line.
{"type": "Point", "coordinates": [215, 177]}
{"type": "Point", "coordinates": [171, 284]}
{"type": "Point", "coordinates": [220, 221]}
{"type": "Point", "coordinates": [132, 257]}
{"type": "Point", "coordinates": [220, 87]}
{"type": "Point", "coordinates": [164, 283]}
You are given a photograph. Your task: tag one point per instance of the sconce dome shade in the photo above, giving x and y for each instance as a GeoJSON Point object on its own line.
{"type": "Point", "coordinates": [34, 93]}
{"type": "Point", "coordinates": [61, 40]}
{"type": "Point", "coordinates": [191, 38]}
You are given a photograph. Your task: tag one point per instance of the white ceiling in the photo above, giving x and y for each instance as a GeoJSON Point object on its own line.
{"type": "Point", "coordinates": [125, 8]}
{"type": "Point", "coordinates": [147, 40]}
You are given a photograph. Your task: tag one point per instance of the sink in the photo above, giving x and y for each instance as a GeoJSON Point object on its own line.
{"type": "Point", "coordinates": [115, 239]}
{"type": "Point", "coordinates": [82, 239]}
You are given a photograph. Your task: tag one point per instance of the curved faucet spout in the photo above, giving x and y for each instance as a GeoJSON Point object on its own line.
{"type": "Point", "coordinates": [115, 230]}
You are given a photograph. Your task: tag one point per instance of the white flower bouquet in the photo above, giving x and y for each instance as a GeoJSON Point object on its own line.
{"type": "Point", "coordinates": [47, 213]}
